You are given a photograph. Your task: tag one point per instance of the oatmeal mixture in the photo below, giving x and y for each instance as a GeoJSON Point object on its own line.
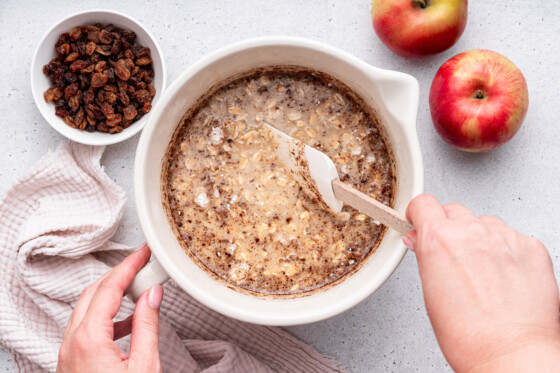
{"type": "Point", "coordinates": [241, 213]}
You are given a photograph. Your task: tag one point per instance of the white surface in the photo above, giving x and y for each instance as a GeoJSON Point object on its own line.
{"type": "Point", "coordinates": [390, 330]}
{"type": "Point", "coordinates": [371, 83]}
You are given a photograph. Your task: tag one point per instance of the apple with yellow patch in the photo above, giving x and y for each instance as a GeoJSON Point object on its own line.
{"type": "Point", "coordinates": [478, 100]}
{"type": "Point", "coordinates": [417, 28]}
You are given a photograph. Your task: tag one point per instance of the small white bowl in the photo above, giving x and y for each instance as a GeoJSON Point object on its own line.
{"type": "Point", "coordinates": [45, 52]}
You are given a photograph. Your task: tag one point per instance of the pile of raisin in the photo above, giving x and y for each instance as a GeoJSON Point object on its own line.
{"type": "Point", "coordinates": [101, 80]}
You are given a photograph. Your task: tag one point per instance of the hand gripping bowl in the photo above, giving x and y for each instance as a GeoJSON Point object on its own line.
{"type": "Point", "coordinates": [392, 94]}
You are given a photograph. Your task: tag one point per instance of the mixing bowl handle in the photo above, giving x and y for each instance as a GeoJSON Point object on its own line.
{"type": "Point", "coordinates": [152, 273]}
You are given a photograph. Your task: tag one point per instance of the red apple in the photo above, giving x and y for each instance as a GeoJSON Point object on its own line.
{"type": "Point", "coordinates": [417, 28]}
{"type": "Point", "coordinates": [478, 100]}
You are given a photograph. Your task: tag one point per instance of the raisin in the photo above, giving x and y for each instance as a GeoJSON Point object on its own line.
{"type": "Point", "coordinates": [142, 96]}
{"type": "Point", "coordinates": [70, 90]}
{"type": "Point", "coordinates": [80, 119]}
{"type": "Point", "coordinates": [71, 57]}
{"type": "Point", "coordinates": [63, 50]}
{"type": "Point", "coordinates": [147, 77]}
{"type": "Point", "coordinates": [135, 70]}
{"type": "Point", "coordinates": [126, 123]}
{"type": "Point", "coordinates": [95, 58]}
{"type": "Point", "coordinates": [94, 110]}
{"type": "Point", "coordinates": [129, 36]}
{"type": "Point", "coordinates": [76, 33]}
{"type": "Point", "coordinates": [111, 88]}
{"type": "Point", "coordinates": [84, 82]}
{"type": "Point", "coordinates": [107, 110]}
{"type": "Point", "coordinates": [117, 129]}
{"type": "Point", "coordinates": [122, 85]}
{"type": "Point", "coordinates": [144, 61]}
{"type": "Point", "coordinates": [117, 47]}
{"type": "Point", "coordinates": [74, 103]}
{"type": "Point", "coordinates": [100, 66]}
{"type": "Point", "coordinates": [102, 127]}
{"type": "Point", "coordinates": [59, 80]}
{"type": "Point", "coordinates": [100, 97]}
{"type": "Point", "coordinates": [105, 37]}
{"type": "Point", "coordinates": [58, 93]}
{"type": "Point", "coordinates": [69, 121]}
{"type": "Point", "coordinates": [110, 75]}
{"type": "Point", "coordinates": [62, 39]}
{"type": "Point", "coordinates": [129, 63]}
{"type": "Point", "coordinates": [147, 107]}
{"type": "Point", "coordinates": [70, 77]}
{"type": "Point", "coordinates": [123, 97]}
{"type": "Point", "coordinates": [88, 28]}
{"type": "Point", "coordinates": [91, 120]}
{"type": "Point", "coordinates": [93, 36]}
{"type": "Point", "coordinates": [89, 96]}
{"type": "Point", "coordinates": [112, 28]}
{"type": "Point", "coordinates": [104, 50]}
{"type": "Point", "coordinates": [81, 48]}
{"type": "Point", "coordinates": [49, 95]}
{"type": "Point", "coordinates": [78, 65]}
{"type": "Point", "coordinates": [143, 52]}
{"type": "Point", "coordinates": [110, 97]}
{"type": "Point", "coordinates": [151, 90]}
{"type": "Point", "coordinates": [129, 112]}
{"type": "Point", "coordinates": [128, 54]}
{"type": "Point", "coordinates": [88, 69]}
{"type": "Point", "coordinates": [60, 104]}
{"type": "Point", "coordinates": [134, 80]}
{"type": "Point", "coordinates": [117, 118]}
{"type": "Point", "coordinates": [98, 80]}
{"type": "Point", "coordinates": [121, 70]}
{"type": "Point", "coordinates": [61, 112]}
{"type": "Point", "coordinates": [90, 48]}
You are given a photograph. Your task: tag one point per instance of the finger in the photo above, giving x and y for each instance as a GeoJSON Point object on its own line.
{"type": "Point", "coordinates": [122, 328]}
{"type": "Point", "coordinates": [107, 300]}
{"type": "Point", "coordinates": [494, 220]}
{"type": "Point", "coordinates": [145, 326]}
{"type": "Point", "coordinates": [457, 211]}
{"type": "Point", "coordinates": [424, 208]}
{"type": "Point", "coordinates": [82, 305]}
{"type": "Point", "coordinates": [410, 240]}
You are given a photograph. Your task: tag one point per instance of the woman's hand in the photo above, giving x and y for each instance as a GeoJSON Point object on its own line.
{"type": "Point", "coordinates": [490, 292]}
{"type": "Point", "coordinates": [88, 344]}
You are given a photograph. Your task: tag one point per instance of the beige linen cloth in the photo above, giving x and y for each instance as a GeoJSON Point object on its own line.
{"type": "Point", "coordinates": [55, 227]}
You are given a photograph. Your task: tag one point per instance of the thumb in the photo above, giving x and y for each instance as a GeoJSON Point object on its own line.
{"type": "Point", "coordinates": [144, 351]}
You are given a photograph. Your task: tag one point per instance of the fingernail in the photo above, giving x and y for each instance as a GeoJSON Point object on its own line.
{"type": "Point", "coordinates": [408, 243]}
{"type": "Point", "coordinates": [142, 246]}
{"type": "Point", "coordinates": [155, 296]}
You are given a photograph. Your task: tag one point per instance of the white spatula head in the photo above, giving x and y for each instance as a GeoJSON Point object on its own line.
{"type": "Point", "coordinates": [313, 170]}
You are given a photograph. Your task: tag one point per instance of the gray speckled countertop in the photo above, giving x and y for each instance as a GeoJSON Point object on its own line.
{"type": "Point", "coordinates": [390, 330]}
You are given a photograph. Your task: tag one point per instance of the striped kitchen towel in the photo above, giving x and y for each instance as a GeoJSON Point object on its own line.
{"type": "Point", "coordinates": [56, 223]}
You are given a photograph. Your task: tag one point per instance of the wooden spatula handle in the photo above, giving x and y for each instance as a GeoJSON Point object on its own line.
{"type": "Point", "coordinates": [371, 207]}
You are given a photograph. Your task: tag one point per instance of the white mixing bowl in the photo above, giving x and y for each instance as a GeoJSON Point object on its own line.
{"type": "Point", "coordinates": [392, 94]}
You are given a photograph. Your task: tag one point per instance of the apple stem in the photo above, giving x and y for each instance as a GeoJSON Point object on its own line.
{"type": "Point", "coordinates": [422, 3]}
{"type": "Point", "coordinates": [479, 95]}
